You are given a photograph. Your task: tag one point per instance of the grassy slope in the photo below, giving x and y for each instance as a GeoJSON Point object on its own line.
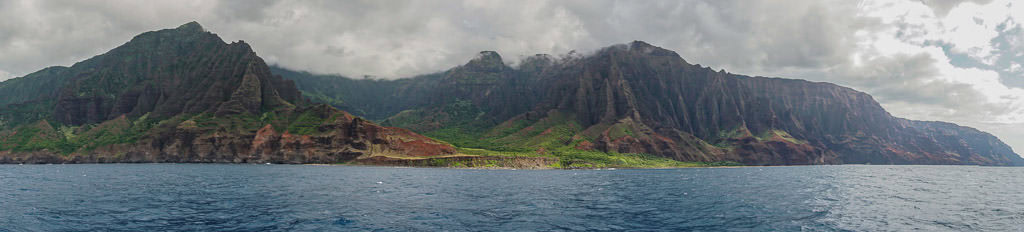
{"type": "Point", "coordinates": [555, 136]}
{"type": "Point", "coordinates": [66, 140]}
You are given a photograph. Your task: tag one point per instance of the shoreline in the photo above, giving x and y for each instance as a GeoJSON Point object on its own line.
{"type": "Point", "coordinates": [510, 168]}
{"type": "Point", "coordinates": [388, 166]}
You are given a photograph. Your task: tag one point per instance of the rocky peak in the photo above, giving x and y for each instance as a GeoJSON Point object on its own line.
{"type": "Point", "coordinates": [648, 49]}
{"type": "Point", "coordinates": [488, 56]}
{"type": "Point", "coordinates": [640, 44]}
{"type": "Point", "coordinates": [539, 58]}
{"type": "Point", "coordinates": [242, 45]}
{"type": "Point", "coordinates": [639, 52]}
{"type": "Point", "coordinates": [486, 61]}
{"type": "Point", "coordinates": [186, 33]}
{"type": "Point", "coordinates": [168, 72]}
{"type": "Point", "coordinates": [191, 27]}
{"type": "Point", "coordinates": [536, 62]}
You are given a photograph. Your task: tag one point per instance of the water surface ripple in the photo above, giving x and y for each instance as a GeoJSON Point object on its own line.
{"type": "Point", "coordinates": [189, 197]}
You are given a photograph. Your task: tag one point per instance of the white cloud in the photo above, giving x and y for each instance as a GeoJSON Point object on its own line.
{"type": "Point", "coordinates": [969, 28]}
{"type": "Point", "coordinates": [4, 75]}
{"type": "Point", "coordinates": [1014, 67]}
{"type": "Point", "coordinates": [901, 61]}
{"type": "Point", "coordinates": [39, 34]}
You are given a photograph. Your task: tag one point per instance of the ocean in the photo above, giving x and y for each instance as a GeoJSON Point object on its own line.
{"type": "Point", "coordinates": [235, 197]}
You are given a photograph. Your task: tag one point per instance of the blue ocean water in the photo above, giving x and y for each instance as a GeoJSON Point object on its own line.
{"type": "Point", "coordinates": [169, 197]}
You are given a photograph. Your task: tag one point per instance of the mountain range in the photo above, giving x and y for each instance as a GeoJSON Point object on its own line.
{"type": "Point", "coordinates": [184, 95]}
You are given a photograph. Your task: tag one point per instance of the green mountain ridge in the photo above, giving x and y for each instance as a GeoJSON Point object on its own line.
{"type": "Point", "coordinates": [184, 95]}
{"type": "Point", "coordinates": [641, 99]}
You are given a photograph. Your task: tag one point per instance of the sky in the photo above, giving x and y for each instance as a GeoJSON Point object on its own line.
{"type": "Point", "coordinates": [944, 60]}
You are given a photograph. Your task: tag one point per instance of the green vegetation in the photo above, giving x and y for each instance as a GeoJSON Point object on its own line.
{"type": "Point", "coordinates": [68, 139]}
{"type": "Point", "coordinates": [619, 130]}
{"type": "Point", "coordinates": [322, 98]}
{"type": "Point", "coordinates": [484, 152]}
{"type": "Point", "coordinates": [738, 132]}
{"type": "Point", "coordinates": [742, 132]}
{"type": "Point", "coordinates": [41, 136]}
{"type": "Point", "coordinates": [367, 97]}
{"type": "Point", "coordinates": [240, 123]}
{"type": "Point", "coordinates": [780, 134]}
{"type": "Point", "coordinates": [301, 122]}
{"type": "Point", "coordinates": [15, 115]}
{"type": "Point", "coordinates": [462, 162]}
{"type": "Point", "coordinates": [102, 137]}
{"type": "Point", "coordinates": [591, 159]}
{"type": "Point", "coordinates": [463, 126]}
{"type": "Point", "coordinates": [555, 136]}
{"type": "Point", "coordinates": [508, 128]}
{"type": "Point", "coordinates": [24, 139]}
{"type": "Point", "coordinates": [442, 162]}
{"type": "Point", "coordinates": [470, 138]}
{"type": "Point", "coordinates": [305, 124]}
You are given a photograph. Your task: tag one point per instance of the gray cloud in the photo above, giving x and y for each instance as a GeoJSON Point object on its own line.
{"type": "Point", "coordinates": [403, 38]}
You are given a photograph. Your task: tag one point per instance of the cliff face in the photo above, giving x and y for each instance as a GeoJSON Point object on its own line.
{"type": "Point", "coordinates": [170, 72]}
{"type": "Point", "coordinates": [639, 98]}
{"type": "Point", "coordinates": [183, 95]}
{"type": "Point", "coordinates": [755, 120]}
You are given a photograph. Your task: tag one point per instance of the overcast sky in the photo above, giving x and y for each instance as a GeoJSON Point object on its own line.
{"type": "Point", "coordinates": [948, 60]}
